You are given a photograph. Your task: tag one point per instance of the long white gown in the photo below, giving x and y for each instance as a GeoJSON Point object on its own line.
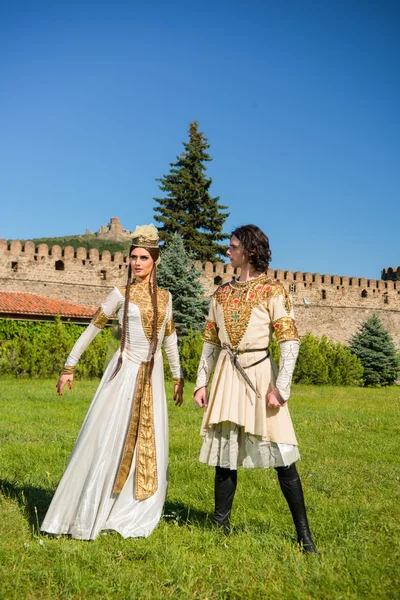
{"type": "Point", "coordinates": [84, 502]}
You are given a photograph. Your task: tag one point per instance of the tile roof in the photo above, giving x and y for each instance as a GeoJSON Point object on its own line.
{"type": "Point", "coordinates": [32, 304]}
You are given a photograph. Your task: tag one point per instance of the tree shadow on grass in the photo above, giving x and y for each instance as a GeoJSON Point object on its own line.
{"type": "Point", "coordinates": [32, 500]}
{"type": "Point", "coordinates": [180, 514]}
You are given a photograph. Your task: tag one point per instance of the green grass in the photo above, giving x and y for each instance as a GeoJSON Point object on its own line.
{"type": "Point", "coordinates": [349, 440]}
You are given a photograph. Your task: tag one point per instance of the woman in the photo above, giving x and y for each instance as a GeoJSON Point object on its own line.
{"type": "Point", "coordinates": [116, 477]}
{"type": "Point", "coordinates": [247, 421]}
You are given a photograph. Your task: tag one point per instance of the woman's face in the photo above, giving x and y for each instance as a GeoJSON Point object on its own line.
{"type": "Point", "coordinates": [141, 264]}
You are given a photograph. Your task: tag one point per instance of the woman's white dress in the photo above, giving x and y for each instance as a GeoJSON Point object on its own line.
{"type": "Point", "coordinates": [84, 503]}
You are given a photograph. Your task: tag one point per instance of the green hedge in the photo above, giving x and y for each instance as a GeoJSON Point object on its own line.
{"type": "Point", "coordinates": [32, 349]}
{"type": "Point", "coordinates": [324, 362]}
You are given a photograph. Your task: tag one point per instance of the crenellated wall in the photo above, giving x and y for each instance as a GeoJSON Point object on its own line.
{"type": "Point", "coordinates": [81, 275]}
{"type": "Point", "coordinates": [392, 273]}
{"type": "Point", "coordinates": [314, 289]}
{"type": "Point", "coordinates": [329, 304]}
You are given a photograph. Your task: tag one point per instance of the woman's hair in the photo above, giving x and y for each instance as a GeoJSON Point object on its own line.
{"type": "Point", "coordinates": [256, 246]}
{"type": "Point", "coordinates": [154, 253]}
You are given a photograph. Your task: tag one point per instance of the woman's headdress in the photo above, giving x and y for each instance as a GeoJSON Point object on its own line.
{"type": "Point", "coordinates": [145, 236]}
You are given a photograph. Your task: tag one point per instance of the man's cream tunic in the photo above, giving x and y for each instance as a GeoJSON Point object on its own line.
{"type": "Point", "coordinates": [244, 315]}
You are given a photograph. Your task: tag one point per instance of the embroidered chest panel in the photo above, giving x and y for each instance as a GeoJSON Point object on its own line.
{"type": "Point", "coordinates": [237, 300]}
{"type": "Point", "coordinates": [139, 294]}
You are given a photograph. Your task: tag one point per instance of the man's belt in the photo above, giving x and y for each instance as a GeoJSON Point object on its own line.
{"type": "Point", "coordinates": [235, 361]}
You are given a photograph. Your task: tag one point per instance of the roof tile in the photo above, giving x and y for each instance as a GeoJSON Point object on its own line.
{"type": "Point", "coordinates": [32, 304]}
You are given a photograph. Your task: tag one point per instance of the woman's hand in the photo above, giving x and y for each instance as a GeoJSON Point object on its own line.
{"type": "Point", "coordinates": [178, 393]}
{"type": "Point", "coordinates": [201, 397]}
{"type": "Point", "coordinates": [62, 381]}
{"type": "Point", "coordinates": [274, 399]}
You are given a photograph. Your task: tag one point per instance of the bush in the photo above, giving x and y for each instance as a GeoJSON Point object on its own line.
{"type": "Point", "coordinates": [344, 368]}
{"type": "Point", "coordinates": [32, 349]}
{"type": "Point", "coordinates": [322, 362]}
{"type": "Point", "coordinates": [312, 365]}
{"type": "Point", "coordinates": [190, 352]}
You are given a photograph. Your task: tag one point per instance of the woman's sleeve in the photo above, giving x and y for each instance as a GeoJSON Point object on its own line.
{"type": "Point", "coordinates": [171, 346]}
{"type": "Point", "coordinates": [211, 348]}
{"type": "Point", "coordinates": [100, 318]}
{"type": "Point", "coordinates": [282, 317]}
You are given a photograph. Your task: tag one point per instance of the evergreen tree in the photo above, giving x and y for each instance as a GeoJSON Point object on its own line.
{"type": "Point", "coordinates": [377, 353]}
{"type": "Point", "coordinates": [178, 274]}
{"type": "Point", "coordinates": [188, 209]}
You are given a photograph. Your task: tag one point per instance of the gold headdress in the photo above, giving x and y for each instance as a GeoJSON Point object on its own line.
{"type": "Point", "coordinates": [145, 236]}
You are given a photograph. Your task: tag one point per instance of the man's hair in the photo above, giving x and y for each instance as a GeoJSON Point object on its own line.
{"type": "Point", "coordinates": [256, 246]}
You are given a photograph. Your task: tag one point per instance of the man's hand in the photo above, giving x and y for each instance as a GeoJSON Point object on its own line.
{"type": "Point", "coordinates": [178, 394]}
{"type": "Point", "coordinates": [62, 381]}
{"type": "Point", "coordinates": [274, 399]}
{"type": "Point", "coordinates": [201, 397]}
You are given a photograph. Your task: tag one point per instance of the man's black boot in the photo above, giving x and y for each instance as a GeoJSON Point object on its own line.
{"type": "Point", "coordinates": [224, 492]}
{"type": "Point", "coordinates": [290, 483]}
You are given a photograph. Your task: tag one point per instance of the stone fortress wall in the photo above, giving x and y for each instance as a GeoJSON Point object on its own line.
{"type": "Point", "coordinates": [324, 304]}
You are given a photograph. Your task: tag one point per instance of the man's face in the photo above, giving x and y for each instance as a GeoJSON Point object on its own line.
{"type": "Point", "coordinates": [236, 254]}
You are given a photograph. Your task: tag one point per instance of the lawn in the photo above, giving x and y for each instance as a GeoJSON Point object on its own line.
{"type": "Point", "coordinates": [349, 441]}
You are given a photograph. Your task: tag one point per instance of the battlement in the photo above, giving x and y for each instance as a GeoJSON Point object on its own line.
{"type": "Point", "coordinates": [222, 272]}
{"type": "Point", "coordinates": [391, 274]}
{"type": "Point", "coordinates": [218, 272]}
{"type": "Point", "coordinates": [17, 250]}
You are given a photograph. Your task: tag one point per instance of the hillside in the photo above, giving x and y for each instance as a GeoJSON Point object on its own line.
{"type": "Point", "coordinates": [83, 241]}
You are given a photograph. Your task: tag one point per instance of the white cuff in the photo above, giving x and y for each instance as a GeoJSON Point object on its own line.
{"type": "Point", "coordinates": [208, 360]}
{"type": "Point", "coordinates": [289, 352]}
{"type": "Point", "coordinates": [171, 350]}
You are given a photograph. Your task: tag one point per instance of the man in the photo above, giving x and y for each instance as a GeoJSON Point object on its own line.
{"type": "Point", "coordinates": [247, 421]}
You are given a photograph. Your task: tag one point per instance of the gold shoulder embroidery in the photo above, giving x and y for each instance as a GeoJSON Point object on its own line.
{"type": "Point", "coordinates": [210, 334]}
{"type": "Point", "coordinates": [122, 290]}
{"type": "Point", "coordinates": [100, 319]}
{"type": "Point", "coordinates": [279, 290]}
{"type": "Point", "coordinates": [170, 327]}
{"type": "Point", "coordinates": [163, 295]}
{"type": "Point", "coordinates": [221, 292]}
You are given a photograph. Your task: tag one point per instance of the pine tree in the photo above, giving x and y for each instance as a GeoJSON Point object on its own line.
{"type": "Point", "coordinates": [178, 274]}
{"type": "Point", "coordinates": [377, 353]}
{"type": "Point", "coordinates": [187, 208]}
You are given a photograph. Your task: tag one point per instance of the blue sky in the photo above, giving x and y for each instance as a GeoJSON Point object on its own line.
{"type": "Point", "coordinates": [300, 102]}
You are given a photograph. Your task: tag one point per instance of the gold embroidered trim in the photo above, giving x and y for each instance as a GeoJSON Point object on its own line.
{"type": "Point", "coordinates": [210, 334]}
{"type": "Point", "coordinates": [68, 371]}
{"type": "Point", "coordinates": [285, 329]}
{"type": "Point", "coordinates": [100, 319]}
{"type": "Point", "coordinates": [238, 298]}
{"type": "Point", "coordinates": [178, 381]}
{"type": "Point", "coordinates": [142, 436]}
{"type": "Point", "coordinates": [139, 294]}
{"type": "Point", "coordinates": [170, 327]}
{"type": "Point", "coordinates": [287, 303]}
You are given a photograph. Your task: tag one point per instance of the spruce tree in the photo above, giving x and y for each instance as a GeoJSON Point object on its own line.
{"type": "Point", "coordinates": [375, 349]}
{"type": "Point", "coordinates": [188, 208]}
{"type": "Point", "coordinates": [178, 274]}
